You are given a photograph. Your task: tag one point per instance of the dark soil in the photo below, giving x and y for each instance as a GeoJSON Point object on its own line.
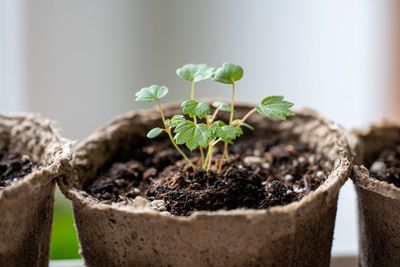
{"type": "Point", "coordinates": [13, 167]}
{"type": "Point", "coordinates": [261, 174]}
{"type": "Point", "coordinates": [387, 166]}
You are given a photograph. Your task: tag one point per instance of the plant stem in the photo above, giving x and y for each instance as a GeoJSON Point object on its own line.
{"type": "Point", "coordinates": [202, 155]}
{"type": "Point", "coordinates": [192, 91]}
{"type": "Point", "coordinates": [179, 150]}
{"type": "Point", "coordinates": [214, 115]}
{"type": "Point", "coordinates": [246, 117]}
{"type": "Point", "coordinates": [225, 153]}
{"type": "Point", "coordinates": [162, 114]}
{"type": "Point", "coordinates": [210, 145]}
{"type": "Point", "coordinates": [210, 159]}
{"type": "Point", "coordinates": [195, 123]}
{"type": "Point", "coordinates": [172, 139]}
{"type": "Point", "coordinates": [207, 120]}
{"type": "Point", "coordinates": [232, 103]}
{"type": "Point", "coordinates": [200, 148]}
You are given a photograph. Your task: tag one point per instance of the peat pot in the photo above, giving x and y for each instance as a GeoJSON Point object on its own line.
{"type": "Point", "coordinates": [26, 206]}
{"type": "Point", "coordinates": [133, 234]}
{"type": "Point", "coordinates": [378, 201]}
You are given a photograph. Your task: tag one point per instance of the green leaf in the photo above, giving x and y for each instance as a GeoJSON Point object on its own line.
{"type": "Point", "coordinates": [230, 133]}
{"type": "Point", "coordinates": [247, 126]}
{"type": "Point", "coordinates": [195, 72]}
{"type": "Point", "coordinates": [228, 73]}
{"type": "Point", "coordinates": [236, 122]}
{"type": "Point", "coordinates": [216, 128]}
{"type": "Point", "coordinates": [202, 134]}
{"type": "Point", "coordinates": [276, 107]}
{"type": "Point", "coordinates": [202, 109]}
{"type": "Point", "coordinates": [189, 106]}
{"type": "Point", "coordinates": [154, 132]}
{"type": "Point", "coordinates": [193, 108]}
{"type": "Point", "coordinates": [192, 135]}
{"type": "Point", "coordinates": [192, 144]}
{"type": "Point", "coordinates": [222, 106]}
{"type": "Point", "coordinates": [151, 93]}
{"type": "Point", "coordinates": [183, 127]}
{"type": "Point", "coordinates": [175, 120]}
{"type": "Point", "coordinates": [220, 123]}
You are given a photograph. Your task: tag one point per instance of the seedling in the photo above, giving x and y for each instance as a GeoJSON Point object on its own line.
{"type": "Point", "coordinates": [203, 131]}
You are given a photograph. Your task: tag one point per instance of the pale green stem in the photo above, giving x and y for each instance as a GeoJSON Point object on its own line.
{"type": "Point", "coordinates": [179, 150]}
{"type": "Point", "coordinates": [246, 117]}
{"type": "Point", "coordinates": [232, 103]}
{"type": "Point", "coordinates": [192, 91]}
{"type": "Point", "coordinates": [172, 139]}
{"type": "Point", "coordinates": [207, 120]}
{"type": "Point", "coordinates": [210, 145]}
{"type": "Point", "coordinates": [214, 116]}
{"type": "Point", "coordinates": [226, 153]}
{"type": "Point", "coordinates": [162, 114]}
{"type": "Point", "coordinates": [195, 123]}
{"type": "Point", "coordinates": [209, 152]}
{"type": "Point", "coordinates": [209, 160]}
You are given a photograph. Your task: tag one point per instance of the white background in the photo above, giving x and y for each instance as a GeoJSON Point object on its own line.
{"type": "Point", "coordinates": [80, 62]}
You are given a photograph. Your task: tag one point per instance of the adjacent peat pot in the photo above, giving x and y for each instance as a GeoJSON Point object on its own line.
{"type": "Point", "coordinates": [117, 229]}
{"type": "Point", "coordinates": [32, 154]}
{"type": "Point", "coordinates": [378, 194]}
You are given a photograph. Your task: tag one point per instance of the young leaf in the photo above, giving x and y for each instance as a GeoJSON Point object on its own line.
{"type": "Point", "coordinates": [189, 106]}
{"type": "Point", "coordinates": [222, 106]}
{"type": "Point", "coordinates": [175, 120]}
{"type": "Point", "coordinates": [247, 126]}
{"type": "Point", "coordinates": [184, 127]}
{"type": "Point", "coordinates": [215, 128]}
{"type": "Point", "coordinates": [202, 109]}
{"type": "Point", "coordinates": [228, 73]}
{"type": "Point", "coordinates": [236, 122]}
{"type": "Point", "coordinates": [230, 133]}
{"type": "Point", "coordinates": [152, 93]}
{"type": "Point", "coordinates": [154, 132]}
{"type": "Point", "coordinates": [192, 135]}
{"type": "Point", "coordinates": [274, 106]}
{"type": "Point", "coordinates": [195, 72]}
{"type": "Point", "coordinates": [202, 134]}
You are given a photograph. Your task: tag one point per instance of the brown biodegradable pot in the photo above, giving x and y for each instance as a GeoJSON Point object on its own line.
{"type": "Point", "coordinates": [378, 201]}
{"type": "Point", "coordinates": [133, 234]}
{"type": "Point", "coordinates": [26, 207]}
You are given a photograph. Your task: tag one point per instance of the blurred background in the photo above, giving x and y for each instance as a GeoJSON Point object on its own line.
{"type": "Point", "coordinates": [80, 63]}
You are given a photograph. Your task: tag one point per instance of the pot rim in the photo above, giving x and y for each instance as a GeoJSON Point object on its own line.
{"type": "Point", "coordinates": [330, 187]}
{"type": "Point", "coordinates": [44, 174]}
{"type": "Point", "coordinates": [361, 176]}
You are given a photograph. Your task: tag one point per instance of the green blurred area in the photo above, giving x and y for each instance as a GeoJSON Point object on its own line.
{"type": "Point", "coordinates": [64, 241]}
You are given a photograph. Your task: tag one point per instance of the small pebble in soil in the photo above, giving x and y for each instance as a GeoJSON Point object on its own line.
{"type": "Point", "coordinates": [288, 177]}
{"type": "Point", "coordinates": [387, 166]}
{"type": "Point", "coordinates": [298, 189]}
{"type": "Point", "coordinates": [136, 190]}
{"type": "Point", "coordinates": [378, 167]}
{"type": "Point", "coordinates": [266, 165]}
{"type": "Point", "coordinates": [250, 160]}
{"type": "Point", "coordinates": [257, 153]}
{"type": "Point", "coordinates": [311, 159]}
{"type": "Point", "coordinates": [158, 205]}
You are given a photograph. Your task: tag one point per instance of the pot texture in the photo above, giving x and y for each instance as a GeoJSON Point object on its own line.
{"type": "Point", "coordinates": [378, 202]}
{"type": "Point", "coordinates": [133, 234]}
{"type": "Point", "coordinates": [26, 207]}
